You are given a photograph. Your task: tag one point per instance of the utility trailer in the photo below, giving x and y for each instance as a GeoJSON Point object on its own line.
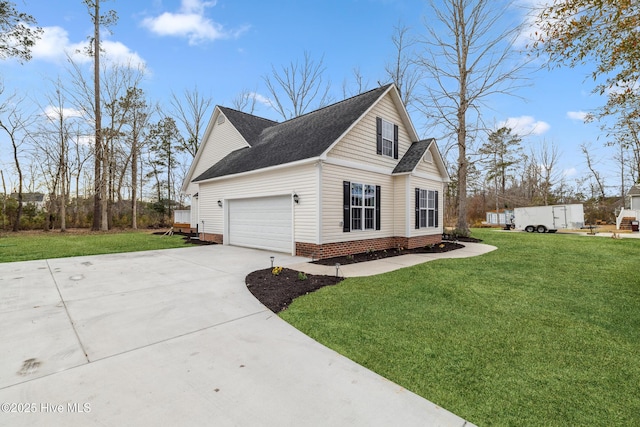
{"type": "Point", "coordinates": [549, 218]}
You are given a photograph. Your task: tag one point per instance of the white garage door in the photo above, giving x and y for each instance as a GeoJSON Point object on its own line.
{"type": "Point", "coordinates": [263, 223]}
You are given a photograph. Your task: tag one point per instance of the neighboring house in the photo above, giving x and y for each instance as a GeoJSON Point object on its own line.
{"type": "Point", "coordinates": [36, 199]}
{"type": "Point", "coordinates": [632, 213]}
{"type": "Point", "coordinates": [344, 179]}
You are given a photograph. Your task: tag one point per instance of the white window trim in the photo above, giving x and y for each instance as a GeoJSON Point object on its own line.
{"type": "Point", "coordinates": [387, 138]}
{"type": "Point", "coordinates": [427, 207]}
{"type": "Point", "coordinates": [362, 208]}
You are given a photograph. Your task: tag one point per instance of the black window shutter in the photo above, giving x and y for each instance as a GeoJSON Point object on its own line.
{"type": "Point", "coordinates": [378, 207]}
{"type": "Point", "coordinates": [346, 202]}
{"type": "Point", "coordinates": [436, 212]}
{"type": "Point", "coordinates": [417, 208]}
{"type": "Point", "coordinates": [378, 135]}
{"type": "Point", "coordinates": [395, 141]}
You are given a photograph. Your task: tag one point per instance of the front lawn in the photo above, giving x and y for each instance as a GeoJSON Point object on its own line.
{"type": "Point", "coordinates": [25, 246]}
{"type": "Point", "coordinates": [543, 331]}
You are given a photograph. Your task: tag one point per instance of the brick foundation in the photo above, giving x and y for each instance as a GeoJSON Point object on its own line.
{"type": "Point", "coordinates": [211, 237]}
{"type": "Point", "coordinates": [330, 250]}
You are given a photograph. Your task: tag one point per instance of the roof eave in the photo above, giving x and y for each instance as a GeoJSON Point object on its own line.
{"type": "Point", "coordinates": [309, 160]}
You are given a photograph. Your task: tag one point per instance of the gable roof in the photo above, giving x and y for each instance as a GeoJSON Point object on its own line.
{"type": "Point", "coordinates": [300, 138]}
{"type": "Point", "coordinates": [634, 190]}
{"type": "Point", "coordinates": [413, 155]}
{"type": "Point", "coordinates": [249, 126]}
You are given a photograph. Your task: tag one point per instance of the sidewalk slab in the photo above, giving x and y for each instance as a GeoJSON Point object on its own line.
{"type": "Point", "coordinates": [371, 268]}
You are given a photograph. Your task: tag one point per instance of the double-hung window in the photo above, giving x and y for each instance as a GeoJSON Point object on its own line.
{"type": "Point", "coordinates": [361, 206]}
{"type": "Point", "coordinates": [387, 138]}
{"type": "Point", "coordinates": [426, 208]}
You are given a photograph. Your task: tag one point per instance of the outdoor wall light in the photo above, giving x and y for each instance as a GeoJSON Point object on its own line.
{"type": "Point", "coordinates": [296, 198]}
{"type": "Point", "coordinates": [220, 203]}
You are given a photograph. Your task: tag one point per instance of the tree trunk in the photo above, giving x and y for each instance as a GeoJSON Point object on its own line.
{"type": "Point", "coordinates": [134, 182]}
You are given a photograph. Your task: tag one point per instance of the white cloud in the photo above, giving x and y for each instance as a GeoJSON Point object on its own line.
{"type": "Point", "coordinates": [262, 99]}
{"type": "Point", "coordinates": [191, 23]}
{"type": "Point", "coordinates": [55, 46]}
{"type": "Point", "coordinates": [525, 125]}
{"type": "Point", "coordinates": [53, 113]}
{"type": "Point", "coordinates": [577, 115]}
{"type": "Point", "coordinates": [530, 26]}
{"type": "Point", "coordinates": [570, 172]}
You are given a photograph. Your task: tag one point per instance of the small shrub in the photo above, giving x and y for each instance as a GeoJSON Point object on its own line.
{"type": "Point", "coordinates": [276, 271]}
{"type": "Point", "coordinates": [302, 276]}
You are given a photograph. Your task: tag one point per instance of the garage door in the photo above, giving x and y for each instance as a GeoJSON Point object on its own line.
{"type": "Point", "coordinates": [263, 223]}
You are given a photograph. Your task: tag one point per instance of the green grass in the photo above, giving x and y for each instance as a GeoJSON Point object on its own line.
{"type": "Point", "coordinates": [543, 331]}
{"type": "Point", "coordinates": [31, 246]}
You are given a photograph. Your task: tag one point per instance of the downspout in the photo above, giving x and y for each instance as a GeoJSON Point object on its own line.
{"type": "Point", "coordinates": [319, 204]}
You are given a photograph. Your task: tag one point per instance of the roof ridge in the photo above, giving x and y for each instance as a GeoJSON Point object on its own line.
{"type": "Point", "coordinates": [338, 103]}
{"type": "Point", "coordinates": [247, 114]}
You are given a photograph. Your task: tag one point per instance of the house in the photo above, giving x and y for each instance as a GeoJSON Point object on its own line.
{"type": "Point", "coordinates": [35, 199]}
{"type": "Point", "coordinates": [632, 213]}
{"type": "Point", "coordinates": [344, 179]}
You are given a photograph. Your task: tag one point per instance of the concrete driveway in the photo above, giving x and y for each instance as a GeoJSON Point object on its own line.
{"type": "Point", "coordinates": [173, 337]}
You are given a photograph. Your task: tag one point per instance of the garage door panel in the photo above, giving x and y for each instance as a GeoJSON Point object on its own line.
{"type": "Point", "coordinates": [261, 223]}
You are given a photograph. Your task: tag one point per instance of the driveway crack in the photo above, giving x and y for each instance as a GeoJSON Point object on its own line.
{"type": "Point", "coordinates": [66, 309]}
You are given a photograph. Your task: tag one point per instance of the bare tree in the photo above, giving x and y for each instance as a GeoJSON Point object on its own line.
{"type": "Point", "coordinates": [402, 70]}
{"type": "Point", "coordinates": [297, 87]}
{"type": "Point", "coordinates": [545, 159]}
{"type": "Point", "coordinates": [245, 101]}
{"type": "Point", "coordinates": [100, 218]}
{"type": "Point", "coordinates": [15, 123]}
{"type": "Point", "coordinates": [359, 84]}
{"type": "Point", "coordinates": [586, 151]}
{"type": "Point", "coordinates": [468, 58]}
{"type": "Point", "coordinates": [52, 141]}
{"type": "Point", "coordinates": [192, 112]}
{"type": "Point", "coordinates": [139, 113]}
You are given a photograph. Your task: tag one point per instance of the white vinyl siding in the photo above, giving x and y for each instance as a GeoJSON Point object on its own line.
{"type": "Point", "coordinates": [301, 180]}
{"type": "Point", "coordinates": [429, 186]}
{"type": "Point", "coordinates": [223, 139]}
{"type": "Point", "coordinates": [332, 208]}
{"type": "Point", "coordinates": [360, 143]}
{"type": "Point", "coordinates": [429, 168]}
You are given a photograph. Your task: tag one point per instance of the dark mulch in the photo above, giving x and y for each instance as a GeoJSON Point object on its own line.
{"type": "Point", "coordinates": [277, 292]}
{"type": "Point", "coordinates": [374, 255]}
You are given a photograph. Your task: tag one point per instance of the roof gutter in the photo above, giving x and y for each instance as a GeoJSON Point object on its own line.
{"type": "Point", "coordinates": [310, 160]}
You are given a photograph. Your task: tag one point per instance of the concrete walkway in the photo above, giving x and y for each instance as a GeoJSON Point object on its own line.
{"type": "Point", "coordinates": [371, 268]}
{"type": "Point", "coordinates": [173, 337]}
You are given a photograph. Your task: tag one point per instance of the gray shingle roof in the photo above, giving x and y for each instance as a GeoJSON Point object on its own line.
{"type": "Point", "coordinates": [249, 126]}
{"type": "Point", "coordinates": [413, 155]}
{"type": "Point", "coordinates": [300, 138]}
{"type": "Point", "coordinates": [634, 191]}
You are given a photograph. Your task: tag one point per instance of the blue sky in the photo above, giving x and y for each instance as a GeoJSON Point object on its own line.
{"type": "Point", "coordinates": [224, 47]}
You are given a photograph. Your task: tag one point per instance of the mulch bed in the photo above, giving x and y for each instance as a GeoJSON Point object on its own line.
{"type": "Point", "coordinates": [374, 255]}
{"type": "Point", "coordinates": [277, 292]}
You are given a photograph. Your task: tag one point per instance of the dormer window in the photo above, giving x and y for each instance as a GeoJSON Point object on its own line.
{"type": "Point", "coordinates": [387, 138]}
